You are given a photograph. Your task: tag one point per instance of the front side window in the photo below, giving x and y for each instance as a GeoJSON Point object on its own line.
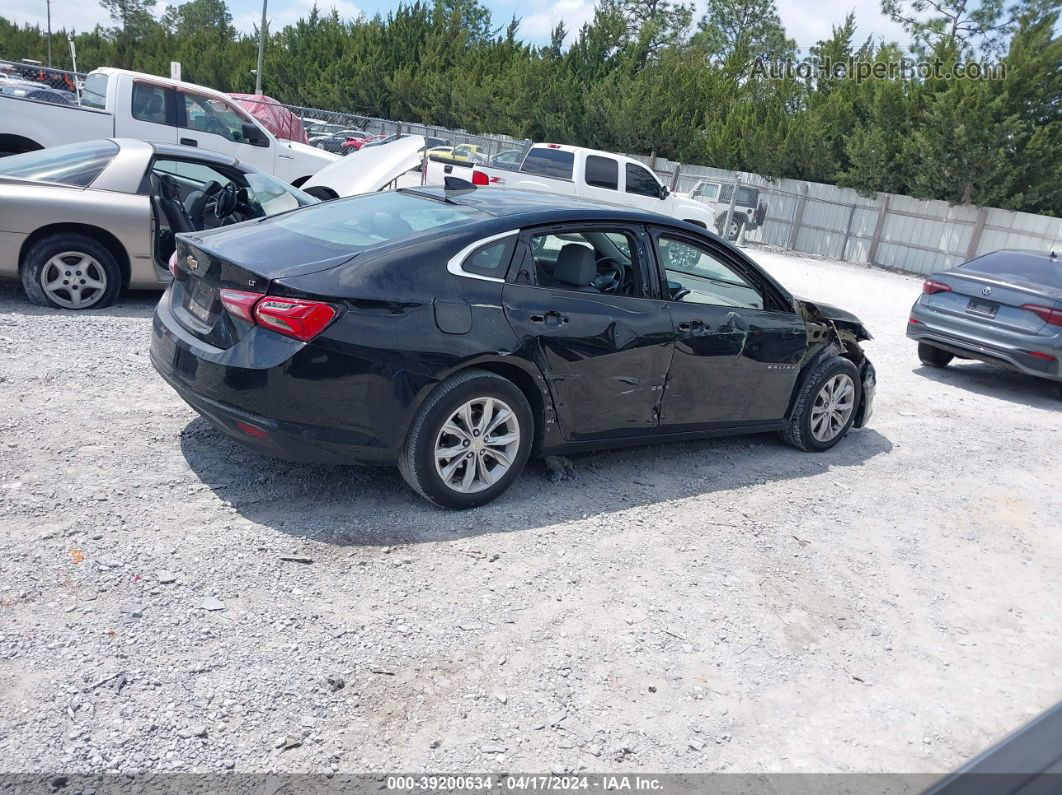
{"type": "Point", "coordinates": [210, 115]}
{"type": "Point", "coordinates": [602, 172]}
{"type": "Point", "coordinates": [94, 93]}
{"type": "Point", "coordinates": [76, 165]}
{"type": "Point", "coordinates": [149, 103]}
{"type": "Point", "coordinates": [594, 262]}
{"type": "Point", "coordinates": [640, 181]}
{"type": "Point", "coordinates": [547, 162]}
{"type": "Point", "coordinates": [695, 276]}
{"type": "Point", "coordinates": [707, 191]}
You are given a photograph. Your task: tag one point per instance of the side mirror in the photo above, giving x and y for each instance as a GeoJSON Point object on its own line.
{"type": "Point", "coordinates": [664, 192]}
{"type": "Point", "coordinates": [253, 136]}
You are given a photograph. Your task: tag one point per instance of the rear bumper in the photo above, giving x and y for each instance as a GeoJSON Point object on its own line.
{"type": "Point", "coordinates": [259, 396]}
{"type": "Point", "coordinates": [1012, 351]}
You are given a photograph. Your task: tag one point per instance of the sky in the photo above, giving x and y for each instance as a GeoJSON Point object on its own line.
{"type": "Point", "coordinates": [805, 21]}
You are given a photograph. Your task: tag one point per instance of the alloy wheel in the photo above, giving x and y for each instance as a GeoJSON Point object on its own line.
{"type": "Point", "coordinates": [833, 407]}
{"type": "Point", "coordinates": [477, 445]}
{"type": "Point", "coordinates": [74, 280]}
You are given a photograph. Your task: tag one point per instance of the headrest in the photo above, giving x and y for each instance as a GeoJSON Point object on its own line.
{"type": "Point", "coordinates": [211, 187]}
{"type": "Point", "coordinates": [168, 186]}
{"type": "Point", "coordinates": [575, 265]}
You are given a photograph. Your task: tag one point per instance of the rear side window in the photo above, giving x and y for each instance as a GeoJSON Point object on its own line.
{"type": "Point", "coordinates": [94, 93]}
{"type": "Point", "coordinates": [491, 259]}
{"type": "Point", "coordinates": [549, 163]}
{"type": "Point", "coordinates": [151, 103]}
{"type": "Point", "coordinates": [602, 172]}
{"type": "Point", "coordinates": [76, 165]}
{"type": "Point", "coordinates": [1034, 268]}
{"type": "Point", "coordinates": [641, 182]}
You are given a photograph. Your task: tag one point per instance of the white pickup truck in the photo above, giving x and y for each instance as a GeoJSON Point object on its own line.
{"type": "Point", "coordinates": [116, 103]}
{"type": "Point", "coordinates": [573, 170]}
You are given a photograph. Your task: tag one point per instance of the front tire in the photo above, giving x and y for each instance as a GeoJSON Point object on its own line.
{"type": "Point", "coordinates": [70, 271]}
{"type": "Point", "coordinates": [469, 441]}
{"type": "Point", "coordinates": [826, 406]}
{"type": "Point", "coordinates": [933, 357]}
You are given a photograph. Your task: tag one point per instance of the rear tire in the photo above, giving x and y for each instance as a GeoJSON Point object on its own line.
{"type": "Point", "coordinates": [70, 271]}
{"type": "Point", "coordinates": [826, 406]}
{"type": "Point", "coordinates": [457, 456]}
{"type": "Point", "coordinates": [933, 357]}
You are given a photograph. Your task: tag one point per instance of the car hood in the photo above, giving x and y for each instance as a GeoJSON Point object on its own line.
{"type": "Point", "coordinates": [370, 168]}
{"type": "Point", "coordinates": [841, 317]}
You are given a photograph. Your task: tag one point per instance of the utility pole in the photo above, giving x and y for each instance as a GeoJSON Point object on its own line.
{"type": "Point", "coordinates": [48, 4]}
{"type": "Point", "coordinates": [261, 51]}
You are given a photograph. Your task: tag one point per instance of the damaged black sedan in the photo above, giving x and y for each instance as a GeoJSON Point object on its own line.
{"type": "Point", "coordinates": [457, 332]}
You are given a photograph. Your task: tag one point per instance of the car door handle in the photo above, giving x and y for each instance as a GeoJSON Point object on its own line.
{"type": "Point", "coordinates": [189, 142]}
{"type": "Point", "coordinates": [691, 325]}
{"type": "Point", "coordinates": [448, 169]}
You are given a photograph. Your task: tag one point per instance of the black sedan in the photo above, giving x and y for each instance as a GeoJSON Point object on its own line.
{"type": "Point", "coordinates": [456, 332]}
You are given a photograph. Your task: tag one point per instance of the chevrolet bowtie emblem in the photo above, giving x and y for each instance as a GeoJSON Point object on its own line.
{"type": "Point", "coordinates": [191, 262]}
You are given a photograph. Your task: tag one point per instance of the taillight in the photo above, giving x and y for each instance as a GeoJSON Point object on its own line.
{"type": "Point", "coordinates": [240, 303]}
{"type": "Point", "coordinates": [294, 317]}
{"type": "Point", "coordinates": [1041, 355]}
{"type": "Point", "coordinates": [251, 430]}
{"type": "Point", "coordinates": [173, 264]}
{"type": "Point", "coordinates": [1047, 314]}
{"type": "Point", "coordinates": [479, 178]}
{"type": "Point", "coordinates": [931, 286]}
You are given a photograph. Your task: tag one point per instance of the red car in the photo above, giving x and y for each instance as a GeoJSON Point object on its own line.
{"type": "Point", "coordinates": [356, 141]}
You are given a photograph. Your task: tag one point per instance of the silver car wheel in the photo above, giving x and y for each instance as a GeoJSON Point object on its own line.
{"type": "Point", "coordinates": [832, 408]}
{"type": "Point", "coordinates": [477, 445]}
{"type": "Point", "coordinates": [73, 279]}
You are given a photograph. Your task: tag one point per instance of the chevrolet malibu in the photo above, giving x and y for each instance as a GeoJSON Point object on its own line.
{"type": "Point", "coordinates": [455, 332]}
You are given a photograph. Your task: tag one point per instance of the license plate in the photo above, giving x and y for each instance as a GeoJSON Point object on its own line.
{"type": "Point", "coordinates": [201, 301]}
{"type": "Point", "coordinates": [979, 307]}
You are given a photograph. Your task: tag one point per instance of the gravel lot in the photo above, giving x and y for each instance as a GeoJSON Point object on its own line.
{"type": "Point", "coordinates": [735, 605]}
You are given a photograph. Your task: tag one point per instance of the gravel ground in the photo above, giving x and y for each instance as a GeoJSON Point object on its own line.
{"type": "Point", "coordinates": [171, 601]}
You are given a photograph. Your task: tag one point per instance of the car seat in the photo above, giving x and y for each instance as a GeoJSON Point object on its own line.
{"type": "Point", "coordinates": [169, 198]}
{"type": "Point", "coordinates": [576, 267]}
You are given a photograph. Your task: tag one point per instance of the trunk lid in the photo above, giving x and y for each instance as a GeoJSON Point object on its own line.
{"type": "Point", "coordinates": [990, 300]}
{"type": "Point", "coordinates": [252, 257]}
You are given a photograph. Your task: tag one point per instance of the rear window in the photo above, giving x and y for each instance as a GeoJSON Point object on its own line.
{"type": "Point", "coordinates": [94, 94]}
{"type": "Point", "coordinates": [365, 221]}
{"type": "Point", "coordinates": [1034, 268]}
{"type": "Point", "coordinates": [76, 165]}
{"type": "Point", "coordinates": [746, 197]}
{"type": "Point", "coordinates": [549, 163]}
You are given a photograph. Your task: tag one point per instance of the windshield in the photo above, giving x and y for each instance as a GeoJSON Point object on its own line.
{"type": "Point", "coordinates": [361, 222]}
{"type": "Point", "coordinates": [273, 195]}
{"type": "Point", "coordinates": [76, 165]}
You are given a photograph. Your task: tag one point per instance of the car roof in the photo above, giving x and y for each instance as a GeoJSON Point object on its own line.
{"type": "Point", "coordinates": [544, 207]}
{"type": "Point", "coordinates": [203, 155]}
